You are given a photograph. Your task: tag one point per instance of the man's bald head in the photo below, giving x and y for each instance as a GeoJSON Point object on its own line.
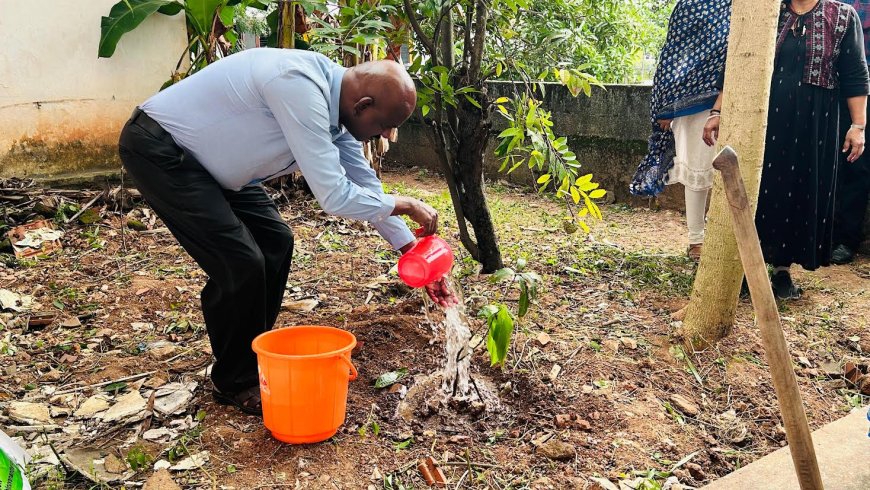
{"type": "Point", "coordinates": [376, 97]}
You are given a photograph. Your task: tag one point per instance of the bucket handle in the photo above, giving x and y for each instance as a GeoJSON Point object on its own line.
{"type": "Point", "coordinates": [353, 372]}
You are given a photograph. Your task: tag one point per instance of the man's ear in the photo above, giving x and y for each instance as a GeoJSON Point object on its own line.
{"type": "Point", "coordinates": [362, 104]}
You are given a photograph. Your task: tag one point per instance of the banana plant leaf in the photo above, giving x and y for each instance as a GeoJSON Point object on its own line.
{"type": "Point", "coordinates": [124, 16]}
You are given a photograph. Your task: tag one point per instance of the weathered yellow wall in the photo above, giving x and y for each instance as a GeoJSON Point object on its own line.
{"type": "Point", "coordinates": [61, 107]}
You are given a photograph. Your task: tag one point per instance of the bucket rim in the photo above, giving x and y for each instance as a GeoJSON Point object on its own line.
{"type": "Point", "coordinates": [259, 350]}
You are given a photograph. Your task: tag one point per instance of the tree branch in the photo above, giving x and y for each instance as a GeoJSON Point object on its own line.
{"type": "Point", "coordinates": [479, 36]}
{"type": "Point", "coordinates": [409, 11]}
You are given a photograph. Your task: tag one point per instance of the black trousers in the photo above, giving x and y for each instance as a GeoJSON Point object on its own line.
{"type": "Point", "coordinates": [238, 238]}
{"type": "Point", "coordinates": [853, 187]}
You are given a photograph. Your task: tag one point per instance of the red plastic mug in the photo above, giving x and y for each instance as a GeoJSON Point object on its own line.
{"type": "Point", "coordinates": [427, 261]}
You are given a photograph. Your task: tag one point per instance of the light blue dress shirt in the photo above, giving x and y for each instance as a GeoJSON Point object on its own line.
{"type": "Point", "coordinates": [263, 113]}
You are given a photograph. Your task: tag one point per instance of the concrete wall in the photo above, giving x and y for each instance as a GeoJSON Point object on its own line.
{"type": "Point", "coordinates": [61, 107]}
{"type": "Point", "coordinates": [608, 131]}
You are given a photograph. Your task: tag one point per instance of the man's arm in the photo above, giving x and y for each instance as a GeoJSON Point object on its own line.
{"type": "Point", "coordinates": [359, 170]}
{"type": "Point", "coordinates": [303, 115]}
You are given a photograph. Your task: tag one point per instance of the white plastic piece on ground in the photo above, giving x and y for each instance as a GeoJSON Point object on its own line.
{"type": "Point", "coordinates": [12, 454]}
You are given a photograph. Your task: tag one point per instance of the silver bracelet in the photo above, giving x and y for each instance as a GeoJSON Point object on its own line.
{"type": "Point", "coordinates": [713, 115]}
{"type": "Point", "coordinates": [859, 126]}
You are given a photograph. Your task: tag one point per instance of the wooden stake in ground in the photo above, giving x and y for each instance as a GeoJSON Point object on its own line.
{"type": "Point", "coordinates": [767, 316]}
{"type": "Point", "coordinates": [751, 50]}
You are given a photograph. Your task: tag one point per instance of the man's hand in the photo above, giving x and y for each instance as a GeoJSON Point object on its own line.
{"type": "Point", "coordinates": [422, 213]}
{"type": "Point", "coordinates": [439, 291]}
{"type": "Point", "coordinates": [855, 143]}
{"type": "Point", "coordinates": [441, 294]}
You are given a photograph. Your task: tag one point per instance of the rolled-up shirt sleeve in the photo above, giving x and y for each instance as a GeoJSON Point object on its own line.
{"type": "Point", "coordinates": [359, 170]}
{"type": "Point", "coordinates": [302, 112]}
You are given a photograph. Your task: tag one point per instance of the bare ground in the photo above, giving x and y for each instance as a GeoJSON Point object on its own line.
{"type": "Point", "coordinates": [605, 304]}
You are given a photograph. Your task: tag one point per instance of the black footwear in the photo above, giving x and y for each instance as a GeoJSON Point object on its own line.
{"type": "Point", "coordinates": [744, 288]}
{"type": "Point", "coordinates": [247, 400]}
{"type": "Point", "coordinates": [784, 287]}
{"type": "Point", "coordinates": [842, 255]}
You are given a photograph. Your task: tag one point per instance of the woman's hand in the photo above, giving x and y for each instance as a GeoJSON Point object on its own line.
{"type": "Point", "coordinates": [711, 131]}
{"type": "Point", "coordinates": [665, 124]}
{"type": "Point", "coordinates": [854, 144]}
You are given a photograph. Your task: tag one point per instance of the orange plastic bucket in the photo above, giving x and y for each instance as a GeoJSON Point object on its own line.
{"type": "Point", "coordinates": [304, 373]}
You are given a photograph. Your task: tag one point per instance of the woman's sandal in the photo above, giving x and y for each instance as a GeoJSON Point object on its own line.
{"type": "Point", "coordinates": [247, 400]}
{"type": "Point", "coordinates": [784, 288]}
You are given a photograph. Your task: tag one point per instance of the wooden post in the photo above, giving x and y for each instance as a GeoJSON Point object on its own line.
{"type": "Point", "coordinates": [794, 418]}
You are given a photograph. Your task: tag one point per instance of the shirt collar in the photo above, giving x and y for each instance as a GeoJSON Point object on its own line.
{"type": "Point", "coordinates": [334, 96]}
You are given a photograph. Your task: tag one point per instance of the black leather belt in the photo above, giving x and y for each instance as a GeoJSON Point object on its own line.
{"type": "Point", "coordinates": [145, 122]}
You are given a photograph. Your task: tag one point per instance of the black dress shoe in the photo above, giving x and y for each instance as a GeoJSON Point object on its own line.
{"type": "Point", "coordinates": [842, 255]}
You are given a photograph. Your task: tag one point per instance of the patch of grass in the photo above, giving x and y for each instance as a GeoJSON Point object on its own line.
{"type": "Point", "coordinates": [332, 242]}
{"type": "Point", "coordinates": [673, 273]}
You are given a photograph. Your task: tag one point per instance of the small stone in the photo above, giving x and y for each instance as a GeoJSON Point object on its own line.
{"type": "Point", "coordinates": [114, 465]}
{"type": "Point", "coordinates": [155, 382]}
{"type": "Point", "coordinates": [563, 420]}
{"type": "Point", "coordinates": [864, 385]}
{"type": "Point", "coordinates": [160, 434]}
{"type": "Point", "coordinates": [696, 471]}
{"type": "Point", "coordinates": [162, 350]}
{"type": "Point", "coordinates": [92, 406]}
{"type": "Point", "coordinates": [586, 389]}
{"type": "Point", "coordinates": [192, 462]}
{"type": "Point", "coordinates": [611, 345]}
{"type": "Point", "coordinates": [685, 405]}
{"type": "Point", "coordinates": [399, 388]}
{"type": "Point", "coordinates": [542, 483]}
{"type": "Point", "coordinates": [851, 372]}
{"type": "Point", "coordinates": [324, 478]}
{"type": "Point", "coordinates": [602, 484]}
{"type": "Point", "coordinates": [162, 465]}
{"type": "Point", "coordinates": [71, 322]}
{"type": "Point", "coordinates": [459, 439]}
{"type": "Point", "coordinates": [174, 397]}
{"type": "Point", "coordinates": [544, 338]}
{"type": "Point", "coordinates": [53, 376]}
{"type": "Point", "coordinates": [584, 425]}
{"type": "Point", "coordinates": [29, 413]}
{"type": "Point", "coordinates": [805, 362]}
{"type": "Point", "coordinates": [629, 343]}
{"type": "Point", "coordinates": [161, 480]}
{"type": "Point", "coordinates": [59, 411]}
{"type": "Point", "coordinates": [556, 450]}
{"type": "Point", "coordinates": [831, 369]}
{"type": "Point", "coordinates": [554, 372]}
{"type": "Point", "coordinates": [126, 406]}
{"type": "Point", "coordinates": [301, 306]}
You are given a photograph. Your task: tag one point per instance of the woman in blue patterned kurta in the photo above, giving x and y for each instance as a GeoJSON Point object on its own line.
{"type": "Point", "coordinates": [683, 92]}
{"type": "Point", "coordinates": [819, 58]}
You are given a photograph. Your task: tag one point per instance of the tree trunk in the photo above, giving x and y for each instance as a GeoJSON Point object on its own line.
{"type": "Point", "coordinates": [287, 24]}
{"type": "Point", "coordinates": [468, 175]}
{"type": "Point", "coordinates": [751, 49]}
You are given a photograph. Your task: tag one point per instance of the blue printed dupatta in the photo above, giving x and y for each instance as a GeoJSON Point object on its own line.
{"type": "Point", "coordinates": [689, 66]}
